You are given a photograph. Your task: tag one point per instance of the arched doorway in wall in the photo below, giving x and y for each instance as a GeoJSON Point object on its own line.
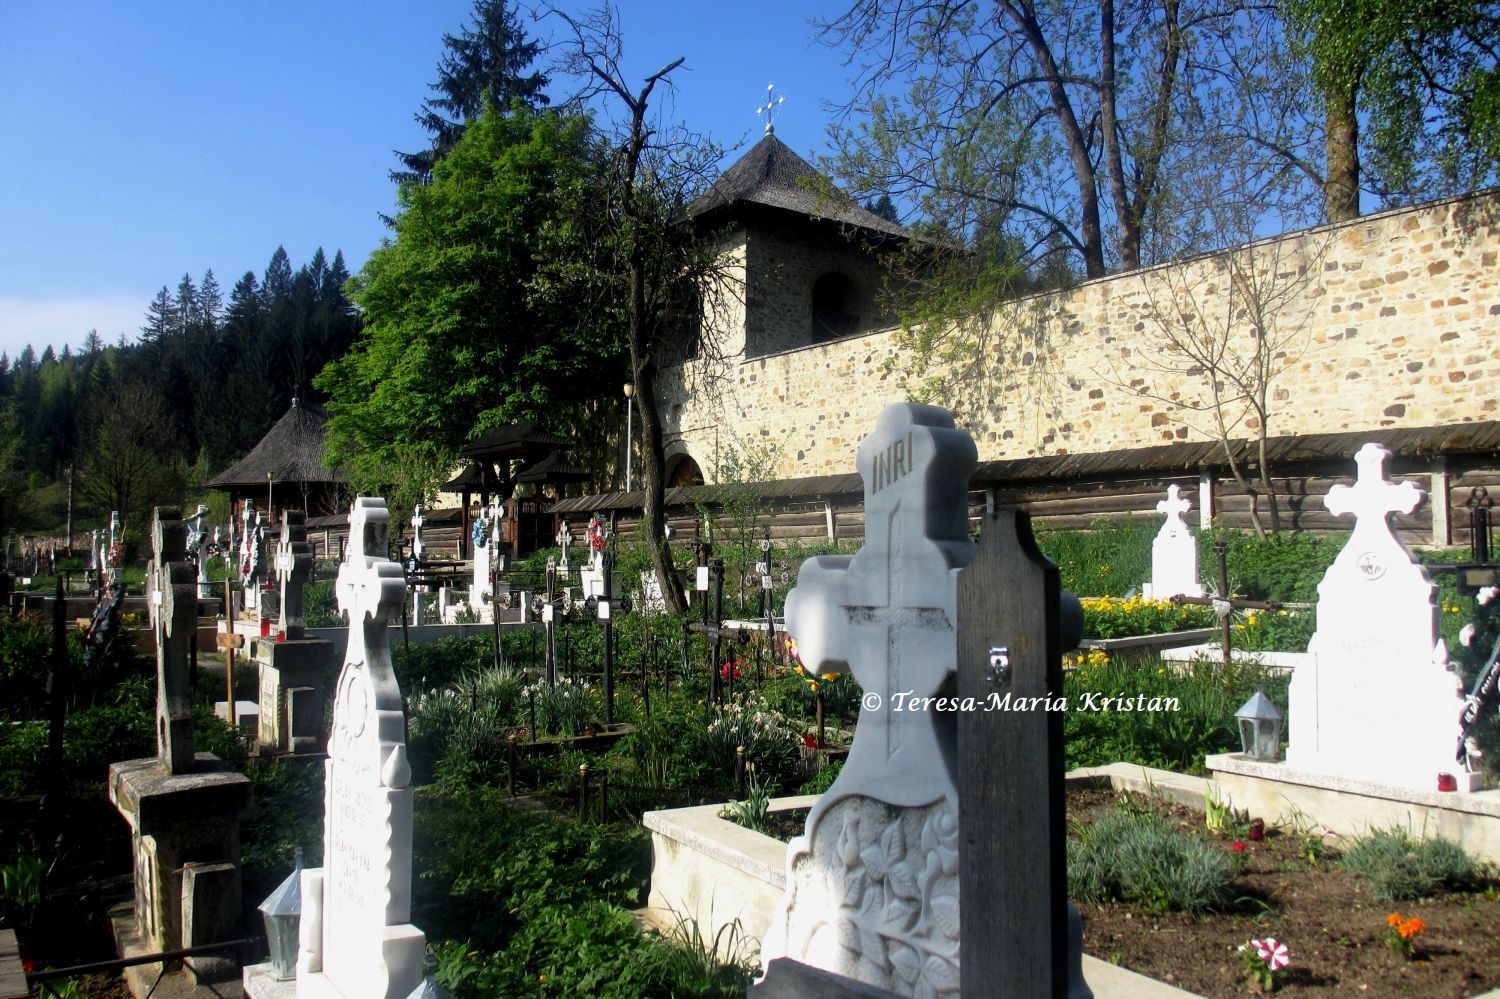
{"type": "Point", "coordinates": [834, 299]}
{"type": "Point", "coordinates": [682, 470]}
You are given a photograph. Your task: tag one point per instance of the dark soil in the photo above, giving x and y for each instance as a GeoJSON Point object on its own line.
{"type": "Point", "coordinates": [1326, 916]}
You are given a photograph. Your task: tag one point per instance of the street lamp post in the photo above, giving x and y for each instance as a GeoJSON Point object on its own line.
{"type": "Point", "coordinates": [269, 508]}
{"type": "Point", "coordinates": [629, 428]}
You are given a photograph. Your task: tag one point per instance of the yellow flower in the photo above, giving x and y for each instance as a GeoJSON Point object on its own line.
{"type": "Point", "coordinates": [830, 677]}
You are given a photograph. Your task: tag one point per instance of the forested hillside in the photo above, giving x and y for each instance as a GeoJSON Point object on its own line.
{"type": "Point", "coordinates": [141, 418]}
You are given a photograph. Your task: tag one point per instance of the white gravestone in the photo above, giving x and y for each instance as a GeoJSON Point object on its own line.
{"type": "Point", "coordinates": [592, 575]}
{"type": "Point", "coordinates": [486, 547]}
{"type": "Point", "coordinates": [356, 938]}
{"type": "Point", "coordinates": [112, 556]}
{"type": "Point", "coordinates": [564, 541]}
{"type": "Point", "coordinates": [872, 885]}
{"type": "Point", "coordinates": [1174, 553]}
{"type": "Point", "coordinates": [1377, 700]}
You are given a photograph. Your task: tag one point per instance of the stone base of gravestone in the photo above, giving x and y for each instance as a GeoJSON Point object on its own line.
{"type": "Point", "coordinates": [185, 841]}
{"type": "Point", "coordinates": [260, 982]}
{"type": "Point", "coordinates": [788, 979]}
{"type": "Point", "coordinates": [291, 693]}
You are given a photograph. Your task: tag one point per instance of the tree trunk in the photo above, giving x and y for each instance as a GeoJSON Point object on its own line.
{"type": "Point", "coordinates": [1341, 127]}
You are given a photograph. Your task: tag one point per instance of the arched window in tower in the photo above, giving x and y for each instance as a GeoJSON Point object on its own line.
{"type": "Point", "coordinates": [833, 304]}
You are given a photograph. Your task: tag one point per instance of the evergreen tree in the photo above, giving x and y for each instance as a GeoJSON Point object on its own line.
{"type": "Point", "coordinates": [487, 62]}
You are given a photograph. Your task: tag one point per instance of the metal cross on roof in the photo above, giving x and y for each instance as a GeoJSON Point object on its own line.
{"type": "Point", "coordinates": [767, 111]}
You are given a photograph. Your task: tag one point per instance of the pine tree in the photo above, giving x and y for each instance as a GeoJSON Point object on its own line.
{"type": "Point", "coordinates": [486, 62]}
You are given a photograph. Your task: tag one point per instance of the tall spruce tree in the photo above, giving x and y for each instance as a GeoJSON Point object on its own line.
{"type": "Point", "coordinates": [487, 62]}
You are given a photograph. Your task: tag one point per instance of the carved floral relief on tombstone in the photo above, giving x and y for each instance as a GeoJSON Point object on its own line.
{"type": "Point", "coordinates": [872, 885]}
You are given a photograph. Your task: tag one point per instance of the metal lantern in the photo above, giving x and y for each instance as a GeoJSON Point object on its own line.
{"type": "Point", "coordinates": [429, 987]}
{"type": "Point", "coordinates": [1260, 728]}
{"type": "Point", "coordinates": [282, 911]}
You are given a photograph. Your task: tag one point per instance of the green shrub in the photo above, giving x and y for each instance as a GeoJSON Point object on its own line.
{"type": "Point", "coordinates": [1140, 859]}
{"type": "Point", "coordinates": [1174, 738]}
{"type": "Point", "coordinates": [823, 779]}
{"type": "Point", "coordinates": [1111, 558]}
{"type": "Point", "coordinates": [1286, 566]}
{"type": "Point", "coordinates": [1399, 868]}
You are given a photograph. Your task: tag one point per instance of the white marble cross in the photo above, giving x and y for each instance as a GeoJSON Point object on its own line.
{"type": "Point", "coordinates": [354, 934]}
{"type": "Point", "coordinates": [1174, 552]}
{"type": "Point", "coordinates": [1372, 499]}
{"type": "Point", "coordinates": [174, 611]}
{"type": "Point", "coordinates": [872, 884]}
{"type": "Point", "coordinates": [888, 613]}
{"type": "Point", "coordinates": [417, 520]}
{"type": "Point", "coordinates": [1174, 506]}
{"type": "Point", "coordinates": [564, 539]}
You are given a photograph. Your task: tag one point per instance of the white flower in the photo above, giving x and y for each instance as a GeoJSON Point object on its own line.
{"type": "Point", "coordinates": [1466, 634]}
{"type": "Point", "coordinates": [1487, 594]}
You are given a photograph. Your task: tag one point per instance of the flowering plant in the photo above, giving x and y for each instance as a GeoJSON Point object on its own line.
{"type": "Point", "coordinates": [1265, 961]}
{"type": "Point", "coordinates": [730, 669]}
{"type": "Point", "coordinates": [1401, 934]}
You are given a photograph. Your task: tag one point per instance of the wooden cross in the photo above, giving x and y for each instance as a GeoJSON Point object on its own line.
{"type": "Point", "coordinates": [174, 611]}
{"type": "Point", "coordinates": [888, 612]}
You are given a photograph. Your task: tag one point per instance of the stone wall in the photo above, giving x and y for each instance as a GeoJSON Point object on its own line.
{"type": "Point", "coordinates": [1388, 321]}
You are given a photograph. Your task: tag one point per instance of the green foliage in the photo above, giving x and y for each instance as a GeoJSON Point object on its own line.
{"type": "Point", "coordinates": [1112, 558]}
{"type": "Point", "coordinates": [487, 869]}
{"type": "Point", "coordinates": [1208, 694]}
{"type": "Point", "coordinates": [461, 729]}
{"type": "Point", "coordinates": [823, 779]}
{"type": "Point", "coordinates": [320, 608]}
{"type": "Point", "coordinates": [20, 891]}
{"type": "Point", "coordinates": [1274, 631]}
{"type": "Point", "coordinates": [1424, 78]}
{"type": "Point", "coordinates": [1138, 858]}
{"type": "Point", "coordinates": [591, 949]}
{"type": "Point", "coordinates": [753, 812]}
{"type": "Point", "coordinates": [466, 261]}
{"type": "Point", "coordinates": [1400, 868]}
{"type": "Point", "coordinates": [1285, 566]}
{"type": "Point", "coordinates": [287, 798]}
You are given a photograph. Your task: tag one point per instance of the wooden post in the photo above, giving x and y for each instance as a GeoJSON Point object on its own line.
{"type": "Point", "coordinates": [607, 616]}
{"type": "Point", "coordinates": [1440, 497]}
{"type": "Point", "coordinates": [229, 648]}
{"type": "Point", "coordinates": [1221, 554]}
{"type": "Point", "coordinates": [57, 694]}
{"type": "Point", "coordinates": [1013, 837]}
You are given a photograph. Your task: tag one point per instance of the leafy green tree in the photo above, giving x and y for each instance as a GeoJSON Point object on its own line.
{"type": "Point", "coordinates": [130, 461]}
{"type": "Point", "coordinates": [461, 332]}
{"type": "Point", "coordinates": [487, 62]}
{"type": "Point", "coordinates": [1411, 95]}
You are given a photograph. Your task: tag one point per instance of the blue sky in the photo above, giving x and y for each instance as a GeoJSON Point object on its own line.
{"type": "Point", "coordinates": [142, 141]}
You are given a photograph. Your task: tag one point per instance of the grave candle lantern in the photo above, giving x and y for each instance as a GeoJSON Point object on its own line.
{"type": "Point", "coordinates": [282, 911]}
{"type": "Point", "coordinates": [1260, 728]}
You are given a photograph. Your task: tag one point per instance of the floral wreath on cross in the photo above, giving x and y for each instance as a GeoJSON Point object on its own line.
{"type": "Point", "coordinates": [479, 533]}
{"type": "Point", "coordinates": [596, 534]}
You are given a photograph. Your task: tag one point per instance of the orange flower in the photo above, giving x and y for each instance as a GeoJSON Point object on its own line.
{"type": "Point", "coordinates": [1411, 928]}
{"type": "Point", "coordinates": [1394, 919]}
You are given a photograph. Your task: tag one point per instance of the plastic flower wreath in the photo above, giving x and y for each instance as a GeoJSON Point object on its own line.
{"type": "Point", "coordinates": [596, 534]}
{"type": "Point", "coordinates": [794, 656]}
{"type": "Point", "coordinates": [1265, 960]}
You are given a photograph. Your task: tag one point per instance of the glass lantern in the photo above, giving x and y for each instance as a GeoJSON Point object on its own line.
{"type": "Point", "coordinates": [1260, 728]}
{"type": "Point", "coordinates": [282, 911]}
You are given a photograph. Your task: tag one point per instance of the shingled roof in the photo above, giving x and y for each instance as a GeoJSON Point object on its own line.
{"type": "Point", "coordinates": [525, 439]}
{"type": "Point", "coordinates": [771, 174]}
{"type": "Point", "coordinates": [291, 451]}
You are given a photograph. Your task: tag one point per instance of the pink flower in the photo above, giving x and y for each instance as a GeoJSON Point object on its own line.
{"type": "Point", "coordinates": [1272, 952]}
{"type": "Point", "coordinates": [1238, 846]}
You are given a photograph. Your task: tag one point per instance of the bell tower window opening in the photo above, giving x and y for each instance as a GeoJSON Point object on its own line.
{"type": "Point", "coordinates": [833, 304]}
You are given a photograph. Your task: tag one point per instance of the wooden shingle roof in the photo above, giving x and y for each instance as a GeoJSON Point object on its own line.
{"type": "Point", "coordinates": [291, 451]}
{"type": "Point", "coordinates": [770, 174]}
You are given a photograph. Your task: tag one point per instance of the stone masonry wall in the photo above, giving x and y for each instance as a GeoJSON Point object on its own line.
{"type": "Point", "coordinates": [782, 267]}
{"type": "Point", "coordinates": [1387, 321]}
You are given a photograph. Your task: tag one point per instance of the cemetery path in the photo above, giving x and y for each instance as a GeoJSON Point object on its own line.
{"type": "Point", "coordinates": [1329, 920]}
